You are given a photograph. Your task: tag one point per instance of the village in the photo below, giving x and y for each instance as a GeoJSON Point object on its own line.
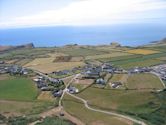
{"type": "Point", "coordinates": [96, 73]}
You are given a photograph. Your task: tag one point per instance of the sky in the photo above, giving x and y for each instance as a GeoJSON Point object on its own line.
{"type": "Point", "coordinates": [36, 13]}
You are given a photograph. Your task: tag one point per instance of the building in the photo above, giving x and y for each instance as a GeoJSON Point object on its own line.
{"type": "Point", "coordinates": [91, 74]}
{"type": "Point", "coordinates": [100, 81]}
{"type": "Point", "coordinates": [57, 93]}
{"type": "Point", "coordinates": [116, 84]}
{"type": "Point", "coordinates": [72, 89]}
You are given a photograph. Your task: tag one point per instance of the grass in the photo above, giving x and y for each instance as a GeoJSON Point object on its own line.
{"type": "Point", "coordinates": [24, 107]}
{"type": "Point", "coordinates": [81, 51]}
{"type": "Point", "coordinates": [143, 81]}
{"type": "Point", "coordinates": [110, 55]}
{"type": "Point", "coordinates": [139, 63]}
{"type": "Point", "coordinates": [135, 60]}
{"type": "Point", "coordinates": [17, 88]}
{"type": "Point", "coordinates": [26, 53]}
{"type": "Point", "coordinates": [130, 101]}
{"type": "Point", "coordinates": [46, 96]}
{"type": "Point", "coordinates": [47, 66]}
{"type": "Point", "coordinates": [142, 51]}
{"type": "Point", "coordinates": [19, 95]}
{"type": "Point", "coordinates": [77, 109]}
{"type": "Point", "coordinates": [54, 121]}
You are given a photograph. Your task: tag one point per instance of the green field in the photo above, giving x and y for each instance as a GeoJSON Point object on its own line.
{"type": "Point", "coordinates": [19, 95]}
{"type": "Point", "coordinates": [77, 109]}
{"type": "Point", "coordinates": [130, 101]}
{"type": "Point", "coordinates": [143, 81]}
{"type": "Point", "coordinates": [135, 60]}
{"type": "Point", "coordinates": [82, 51]}
{"type": "Point", "coordinates": [18, 88]}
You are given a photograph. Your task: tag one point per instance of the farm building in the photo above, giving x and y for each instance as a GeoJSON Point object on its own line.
{"type": "Point", "coordinates": [100, 81]}
{"type": "Point", "coordinates": [91, 74]}
{"type": "Point", "coordinates": [116, 84]}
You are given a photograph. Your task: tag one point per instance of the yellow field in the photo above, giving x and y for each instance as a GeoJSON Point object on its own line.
{"type": "Point", "coordinates": [46, 65]}
{"type": "Point", "coordinates": [142, 51]}
{"type": "Point", "coordinates": [46, 96]}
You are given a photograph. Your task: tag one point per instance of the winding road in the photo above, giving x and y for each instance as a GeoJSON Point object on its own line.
{"type": "Point", "coordinates": [86, 103]}
{"type": "Point", "coordinates": [106, 112]}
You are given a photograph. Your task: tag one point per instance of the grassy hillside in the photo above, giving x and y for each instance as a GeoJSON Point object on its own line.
{"type": "Point", "coordinates": [17, 88]}
{"type": "Point", "coordinates": [77, 109]}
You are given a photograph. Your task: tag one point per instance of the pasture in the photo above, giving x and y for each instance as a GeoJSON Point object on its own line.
{"type": "Point", "coordinates": [128, 101]}
{"type": "Point", "coordinates": [45, 96]}
{"type": "Point", "coordinates": [18, 95]}
{"type": "Point", "coordinates": [144, 81]}
{"type": "Point", "coordinates": [81, 51]}
{"type": "Point", "coordinates": [77, 109]}
{"type": "Point", "coordinates": [17, 88]}
{"type": "Point", "coordinates": [110, 55]}
{"type": "Point", "coordinates": [142, 51]}
{"type": "Point", "coordinates": [46, 65]}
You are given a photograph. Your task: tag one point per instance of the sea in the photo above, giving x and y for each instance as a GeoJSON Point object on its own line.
{"type": "Point", "coordinates": [125, 34]}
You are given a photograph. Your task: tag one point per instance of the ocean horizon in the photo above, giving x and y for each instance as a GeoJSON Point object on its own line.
{"type": "Point", "coordinates": [125, 34]}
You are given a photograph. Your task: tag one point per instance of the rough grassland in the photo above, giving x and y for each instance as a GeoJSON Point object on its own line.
{"type": "Point", "coordinates": [24, 107]}
{"type": "Point", "coordinates": [131, 101]}
{"type": "Point", "coordinates": [110, 55]}
{"type": "Point", "coordinates": [140, 63]}
{"type": "Point", "coordinates": [45, 96]}
{"type": "Point", "coordinates": [16, 88]}
{"type": "Point", "coordinates": [47, 65]}
{"type": "Point", "coordinates": [143, 81]}
{"type": "Point", "coordinates": [77, 109]}
{"type": "Point", "coordinates": [142, 51]}
{"type": "Point", "coordinates": [81, 51]}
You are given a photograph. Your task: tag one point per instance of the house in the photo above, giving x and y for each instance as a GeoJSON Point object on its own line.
{"type": "Point", "coordinates": [55, 81]}
{"type": "Point", "coordinates": [139, 70]}
{"type": "Point", "coordinates": [57, 93]}
{"type": "Point", "coordinates": [24, 71]}
{"type": "Point", "coordinates": [116, 84]}
{"type": "Point", "coordinates": [15, 69]}
{"type": "Point", "coordinates": [63, 72]}
{"type": "Point", "coordinates": [41, 84]}
{"type": "Point", "coordinates": [47, 88]}
{"type": "Point", "coordinates": [72, 89]}
{"type": "Point", "coordinates": [107, 67]}
{"type": "Point", "coordinates": [100, 81]}
{"type": "Point", "coordinates": [2, 62]}
{"type": "Point", "coordinates": [91, 74]}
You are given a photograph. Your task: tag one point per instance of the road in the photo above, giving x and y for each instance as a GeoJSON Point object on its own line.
{"type": "Point", "coordinates": [159, 78]}
{"type": "Point", "coordinates": [65, 90]}
{"type": "Point", "coordinates": [107, 112]}
{"type": "Point", "coordinates": [86, 103]}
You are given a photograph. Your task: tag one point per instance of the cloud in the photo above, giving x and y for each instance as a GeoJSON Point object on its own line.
{"type": "Point", "coordinates": [90, 12]}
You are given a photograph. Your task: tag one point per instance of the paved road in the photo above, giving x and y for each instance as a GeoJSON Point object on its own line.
{"type": "Point", "coordinates": [107, 112]}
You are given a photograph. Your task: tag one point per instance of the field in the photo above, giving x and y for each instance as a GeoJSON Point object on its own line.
{"type": "Point", "coordinates": [19, 96]}
{"type": "Point", "coordinates": [140, 63]}
{"type": "Point", "coordinates": [142, 51]}
{"type": "Point", "coordinates": [144, 81]}
{"type": "Point", "coordinates": [110, 55]}
{"type": "Point", "coordinates": [23, 107]}
{"type": "Point", "coordinates": [16, 88]}
{"type": "Point", "coordinates": [128, 101]}
{"type": "Point", "coordinates": [77, 109]}
{"type": "Point", "coordinates": [47, 65]}
{"type": "Point", "coordinates": [80, 51]}
{"type": "Point", "coordinates": [46, 96]}
{"type": "Point", "coordinates": [130, 61]}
